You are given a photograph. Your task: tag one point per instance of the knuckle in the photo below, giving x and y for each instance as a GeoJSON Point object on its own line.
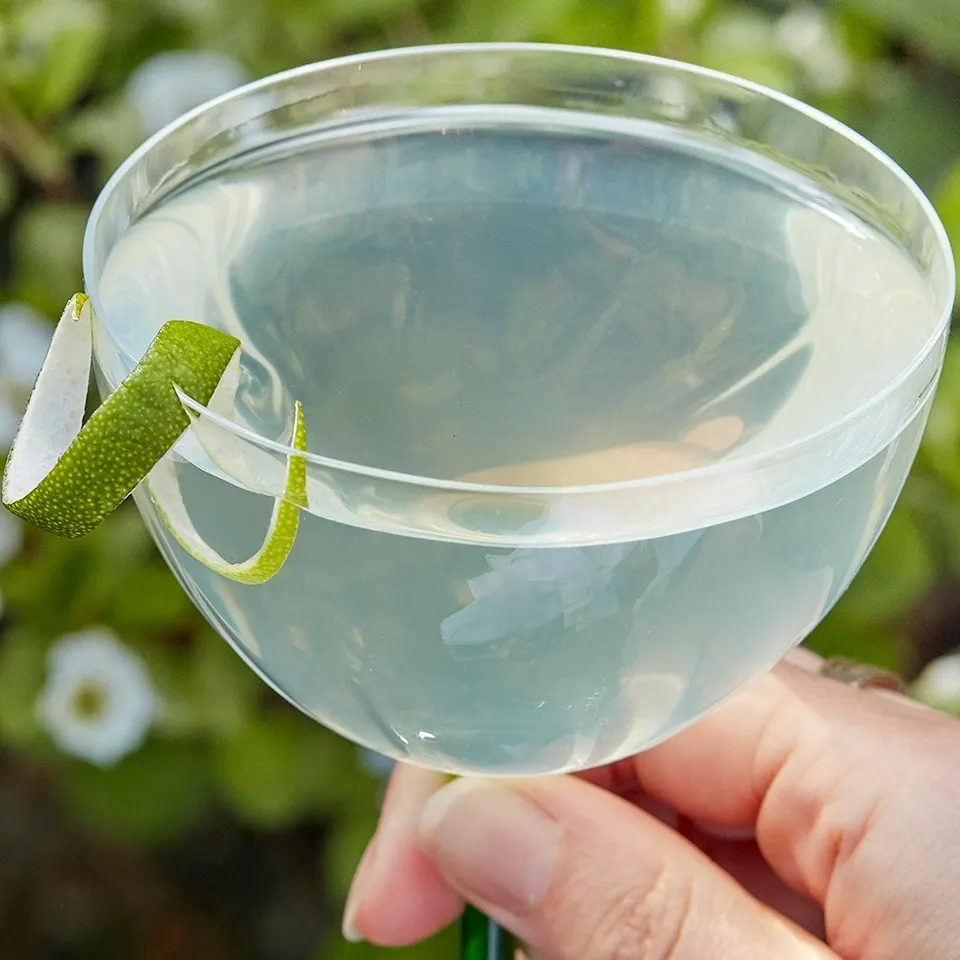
{"type": "Point", "coordinates": [643, 923]}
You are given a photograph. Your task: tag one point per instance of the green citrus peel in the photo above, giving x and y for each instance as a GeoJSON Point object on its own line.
{"type": "Point", "coordinates": [164, 490]}
{"type": "Point", "coordinates": [67, 477]}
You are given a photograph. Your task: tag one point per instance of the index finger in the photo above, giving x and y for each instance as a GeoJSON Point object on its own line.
{"type": "Point", "coordinates": [811, 763]}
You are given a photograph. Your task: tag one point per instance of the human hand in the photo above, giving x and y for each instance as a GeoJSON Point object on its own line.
{"type": "Point", "coordinates": [800, 813]}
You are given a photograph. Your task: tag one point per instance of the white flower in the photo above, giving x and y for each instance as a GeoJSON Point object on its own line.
{"type": "Point", "coordinates": [169, 84]}
{"type": "Point", "coordinates": [98, 701]}
{"type": "Point", "coordinates": [939, 684]}
{"type": "Point", "coordinates": [24, 340]}
{"type": "Point", "coordinates": [806, 36]}
{"type": "Point", "coordinates": [11, 536]}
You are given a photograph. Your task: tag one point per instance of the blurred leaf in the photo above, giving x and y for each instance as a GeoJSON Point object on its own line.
{"type": "Point", "coordinates": [22, 670]}
{"type": "Point", "coordinates": [914, 117]}
{"type": "Point", "coordinates": [333, 778]}
{"type": "Point", "coordinates": [148, 598]}
{"type": "Point", "coordinates": [8, 185]}
{"type": "Point", "coordinates": [932, 24]}
{"type": "Point", "coordinates": [39, 155]}
{"type": "Point", "coordinates": [223, 688]}
{"type": "Point", "coordinates": [896, 574]}
{"type": "Point", "coordinates": [343, 851]}
{"type": "Point", "coordinates": [476, 20]}
{"type": "Point", "coordinates": [862, 35]}
{"type": "Point", "coordinates": [88, 577]}
{"type": "Point", "coordinates": [950, 527]}
{"type": "Point", "coordinates": [109, 128]}
{"type": "Point", "coordinates": [607, 24]}
{"type": "Point", "coordinates": [259, 774]}
{"type": "Point", "coordinates": [64, 39]}
{"type": "Point", "coordinates": [353, 12]}
{"type": "Point", "coordinates": [150, 796]}
{"type": "Point", "coordinates": [840, 635]}
{"type": "Point", "coordinates": [123, 538]}
{"type": "Point", "coordinates": [530, 20]}
{"type": "Point", "coordinates": [47, 245]}
{"type": "Point", "coordinates": [947, 202]}
{"type": "Point", "coordinates": [282, 765]}
{"type": "Point", "coordinates": [940, 448]}
{"type": "Point", "coordinates": [54, 568]}
{"type": "Point", "coordinates": [169, 671]}
{"type": "Point", "coordinates": [938, 512]}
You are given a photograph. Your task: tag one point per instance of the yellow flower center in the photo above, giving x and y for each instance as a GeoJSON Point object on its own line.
{"type": "Point", "coordinates": [90, 700]}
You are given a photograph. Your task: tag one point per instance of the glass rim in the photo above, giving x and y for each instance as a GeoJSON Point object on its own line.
{"type": "Point", "coordinates": [724, 468]}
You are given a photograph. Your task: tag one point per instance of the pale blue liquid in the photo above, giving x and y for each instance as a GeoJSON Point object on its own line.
{"type": "Point", "coordinates": [476, 301]}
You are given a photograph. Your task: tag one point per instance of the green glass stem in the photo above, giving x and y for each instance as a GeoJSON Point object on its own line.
{"type": "Point", "coordinates": [482, 939]}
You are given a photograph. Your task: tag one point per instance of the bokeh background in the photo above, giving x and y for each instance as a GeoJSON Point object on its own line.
{"type": "Point", "coordinates": [204, 818]}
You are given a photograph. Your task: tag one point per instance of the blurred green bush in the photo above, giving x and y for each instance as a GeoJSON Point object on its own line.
{"type": "Point", "coordinates": [234, 829]}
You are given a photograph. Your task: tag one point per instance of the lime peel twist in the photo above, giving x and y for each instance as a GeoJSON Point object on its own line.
{"type": "Point", "coordinates": [66, 476]}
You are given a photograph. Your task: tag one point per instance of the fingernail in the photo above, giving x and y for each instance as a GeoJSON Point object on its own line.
{"type": "Point", "coordinates": [355, 896]}
{"type": "Point", "coordinates": [804, 659]}
{"type": "Point", "coordinates": [493, 842]}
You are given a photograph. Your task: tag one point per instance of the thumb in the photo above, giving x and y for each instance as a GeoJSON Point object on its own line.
{"type": "Point", "coordinates": [579, 874]}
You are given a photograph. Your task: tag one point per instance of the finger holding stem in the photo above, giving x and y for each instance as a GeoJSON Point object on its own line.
{"type": "Point", "coordinates": [835, 783]}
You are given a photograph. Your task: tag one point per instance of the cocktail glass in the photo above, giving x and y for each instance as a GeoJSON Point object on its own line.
{"type": "Point", "coordinates": [613, 369]}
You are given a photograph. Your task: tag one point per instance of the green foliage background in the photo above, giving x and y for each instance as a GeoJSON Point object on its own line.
{"type": "Point", "coordinates": [234, 831]}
